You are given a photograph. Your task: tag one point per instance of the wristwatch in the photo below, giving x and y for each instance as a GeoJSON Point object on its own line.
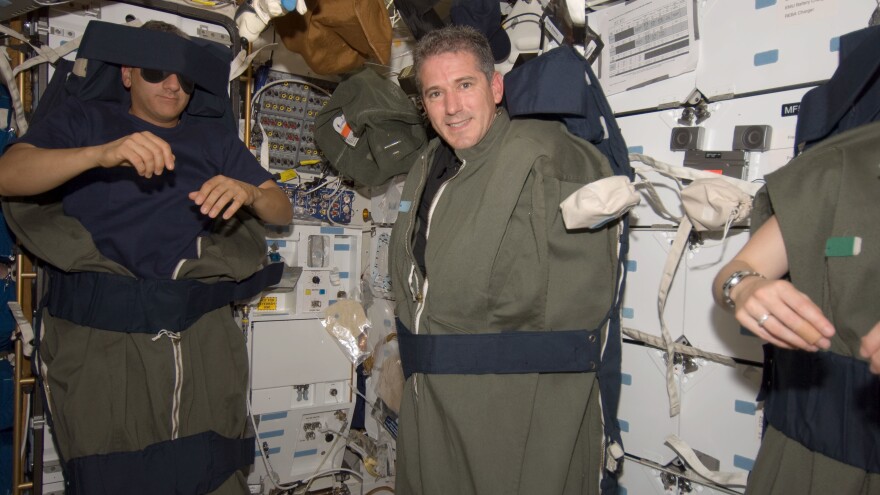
{"type": "Point", "coordinates": [732, 281]}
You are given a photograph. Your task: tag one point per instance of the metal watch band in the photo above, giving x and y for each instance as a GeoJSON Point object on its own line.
{"type": "Point", "coordinates": [732, 281]}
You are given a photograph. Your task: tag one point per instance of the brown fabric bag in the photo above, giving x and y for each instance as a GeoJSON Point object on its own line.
{"type": "Point", "coordinates": [336, 36]}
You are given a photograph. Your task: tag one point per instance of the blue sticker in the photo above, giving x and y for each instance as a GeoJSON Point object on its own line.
{"type": "Point", "coordinates": [304, 453]}
{"type": "Point", "coordinates": [745, 407]}
{"type": "Point", "coordinates": [635, 149]}
{"type": "Point", "coordinates": [632, 265]}
{"type": "Point", "coordinates": [272, 434]}
{"type": "Point", "coordinates": [624, 425]}
{"type": "Point", "coordinates": [404, 206]}
{"type": "Point", "coordinates": [760, 4]}
{"type": "Point", "coordinates": [743, 462]}
{"type": "Point", "coordinates": [627, 313]}
{"type": "Point", "coordinates": [767, 58]}
{"type": "Point", "coordinates": [271, 416]}
{"type": "Point", "coordinates": [834, 44]}
{"type": "Point", "coordinates": [626, 379]}
{"type": "Point", "coordinates": [332, 230]}
{"type": "Point", "coordinates": [341, 247]}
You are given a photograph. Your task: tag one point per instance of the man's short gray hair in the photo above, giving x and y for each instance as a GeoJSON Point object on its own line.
{"type": "Point", "coordinates": [452, 39]}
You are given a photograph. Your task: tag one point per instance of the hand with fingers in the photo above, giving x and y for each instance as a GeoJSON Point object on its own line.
{"type": "Point", "coordinates": [870, 348]}
{"type": "Point", "coordinates": [778, 313]}
{"type": "Point", "coordinates": [221, 193]}
{"type": "Point", "coordinates": [144, 151]}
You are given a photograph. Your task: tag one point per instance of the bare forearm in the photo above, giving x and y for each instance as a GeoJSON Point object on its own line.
{"type": "Point", "coordinates": [729, 269]}
{"type": "Point", "coordinates": [271, 205]}
{"type": "Point", "coordinates": [764, 254]}
{"type": "Point", "coordinates": [26, 170]}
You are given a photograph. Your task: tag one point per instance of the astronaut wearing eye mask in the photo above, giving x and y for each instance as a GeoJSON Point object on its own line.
{"type": "Point", "coordinates": [140, 406]}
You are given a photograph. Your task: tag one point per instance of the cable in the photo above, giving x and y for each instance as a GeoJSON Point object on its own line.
{"type": "Point", "coordinates": [270, 472]}
{"type": "Point", "coordinates": [255, 108]}
{"type": "Point", "coordinates": [213, 4]}
{"type": "Point", "coordinates": [339, 191]}
{"type": "Point", "coordinates": [51, 4]}
{"type": "Point", "coordinates": [337, 436]}
{"type": "Point", "coordinates": [332, 471]}
{"type": "Point", "coordinates": [505, 21]}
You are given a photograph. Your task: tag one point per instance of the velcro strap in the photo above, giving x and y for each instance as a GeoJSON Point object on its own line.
{"type": "Point", "coordinates": [187, 466]}
{"type": "Point", "coordinates": [512, 352]}
{"type": "Point", "coordinates": [124, 304]}
{"type": "Point", "coordinates": [827, 402]}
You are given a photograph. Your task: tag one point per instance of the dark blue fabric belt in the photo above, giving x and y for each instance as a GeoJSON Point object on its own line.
{"type": "Point", "coordinates": [187, 466]}
{"type": "Point", "coordinates": [513, 352]}
{"type": "Point", "coordinates": [827, 402]}
{"type": "Point", "coordinates": [130, 305]}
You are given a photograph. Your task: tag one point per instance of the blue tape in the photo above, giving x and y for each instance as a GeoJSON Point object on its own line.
{"type": "Point", "coordinates": [404, 206]}
{"type": "Point", "coordinates": [627, 313]}
{"type": "Point", "coordinates": [767, 58]}
{"type": "Point", "coordinates": [745, 407]}
{"type": "Point", "coordinates": [760, 4]}
{"type": "Point", "coordinates": [271, 416]}
{"type": "Point", "coordinates": [635, 149]}
{"type": "Point", "coordinates": [304, 453]}
{"type": "Point", "coordinates": [626, 379]}
{"type": "Point", "coordinates": [743, 462]}
{"type": "Point", "coordinates": [273, 450]}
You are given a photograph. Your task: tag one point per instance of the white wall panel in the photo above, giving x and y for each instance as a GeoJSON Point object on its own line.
{"type": "Point", "coordinates": [746, 47]}
{"type": "Point", "coordinates": [719, 416]}
{"type": "Point", "coordinates": [647, 255]}
{"type": "Point", "coordinates": [706, 325]}
{"type": "Point", "coordinates": [765, 44]}
{"type": "Point", "coordinates": [644, 406]}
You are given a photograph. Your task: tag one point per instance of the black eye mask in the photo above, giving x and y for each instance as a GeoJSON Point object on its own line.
{"type": "Point", "coordinates": [156, 76]}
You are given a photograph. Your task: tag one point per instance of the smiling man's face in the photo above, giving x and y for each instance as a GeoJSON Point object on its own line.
{"type": "Point", "coordinates": [158, 103]}
{"type": "Point", "coordinates": [458, 98]}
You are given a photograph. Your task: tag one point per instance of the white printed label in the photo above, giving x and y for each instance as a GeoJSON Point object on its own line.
{"type": "Point", "coordinates": [341, 126]}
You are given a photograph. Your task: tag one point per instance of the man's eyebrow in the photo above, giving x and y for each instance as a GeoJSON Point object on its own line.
{"type": "Point", "coordinates": [456, 82]}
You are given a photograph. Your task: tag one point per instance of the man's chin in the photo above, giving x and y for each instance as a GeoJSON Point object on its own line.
{"type": "Point", "coordinates": [459, 142]}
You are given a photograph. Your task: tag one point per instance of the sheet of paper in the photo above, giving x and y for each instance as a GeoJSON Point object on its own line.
{"type": "Point", "coordinates": [648, 41]}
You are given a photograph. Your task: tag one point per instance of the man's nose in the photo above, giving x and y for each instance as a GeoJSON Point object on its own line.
{"type": "Point", "coordinates": [171, 83]}
{"type": "Point", "coordinates": [453, 103]}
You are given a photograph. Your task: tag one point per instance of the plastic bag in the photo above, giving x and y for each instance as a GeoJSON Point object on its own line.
{"type": "Point", "coordinates": [347, 323]}
{"type": "Point", "coordinates": [389, 372]}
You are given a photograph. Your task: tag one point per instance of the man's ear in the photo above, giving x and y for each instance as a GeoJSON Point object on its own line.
{"type": "Point", "coordinates": [126, 77]}
{"type": "Point", "coordinates": [497, 85]}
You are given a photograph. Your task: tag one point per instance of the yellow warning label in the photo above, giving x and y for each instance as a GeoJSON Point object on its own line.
{"type": "Point", "coordinates": [268, 303]}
